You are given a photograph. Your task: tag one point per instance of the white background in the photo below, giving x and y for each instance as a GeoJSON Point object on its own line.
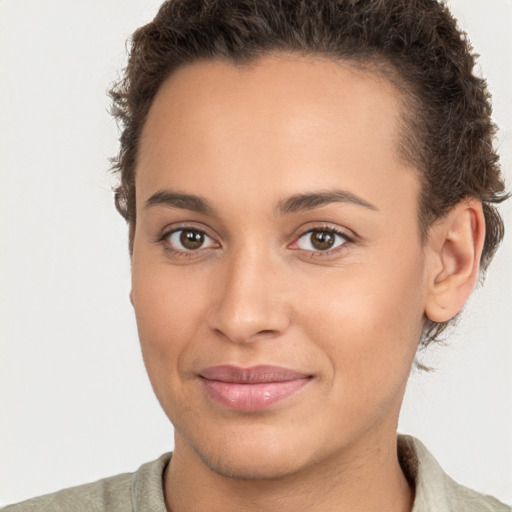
{"type": "Point", "coordinates": [75, 403]}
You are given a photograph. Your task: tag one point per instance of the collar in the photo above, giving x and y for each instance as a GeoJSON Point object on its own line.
{"type": "Point", "coordinates": [435, 491]}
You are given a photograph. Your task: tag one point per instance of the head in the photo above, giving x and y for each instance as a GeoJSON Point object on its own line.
{"type": "Point", "coordinates": [303, 182]}
{"type": "Point", "coordinates": [447, 132]}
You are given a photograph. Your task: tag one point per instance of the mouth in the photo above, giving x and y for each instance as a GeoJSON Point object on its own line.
{"type": "Point", "coordinates": [251, 389]}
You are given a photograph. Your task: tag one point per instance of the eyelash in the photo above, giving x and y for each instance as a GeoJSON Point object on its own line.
{"type": "Point", "coordinates": [183, 253]}
{"type": "Point", "coordinates": [326, 229]}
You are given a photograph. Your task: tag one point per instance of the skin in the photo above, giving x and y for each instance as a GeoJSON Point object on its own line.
{"type": "Point", "coordinates": [246, 139]}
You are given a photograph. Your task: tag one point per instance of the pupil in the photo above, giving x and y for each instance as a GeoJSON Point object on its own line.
{"type": "Point", "coordinates": [322, 240]}
{"type": "Point", "coordinates": [192, 239]}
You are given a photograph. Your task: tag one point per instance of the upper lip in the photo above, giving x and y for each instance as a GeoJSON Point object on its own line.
{"type": "Point", "coordinates": [252, 375]}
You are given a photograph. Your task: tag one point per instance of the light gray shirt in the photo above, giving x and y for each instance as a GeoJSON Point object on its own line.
{"type": "Point", "coordinates": [142, 491]}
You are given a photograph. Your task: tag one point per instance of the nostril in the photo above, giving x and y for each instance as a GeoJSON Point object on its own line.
{"type": "Point", "coordinates": [266, 332]}
{"type": "Point", "coordinates": [239, 336]}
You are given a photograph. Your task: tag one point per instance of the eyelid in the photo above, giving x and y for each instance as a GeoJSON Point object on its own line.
{"type": "Point", "coordinates": [348, 237]}
{"type": "Point", "coordinates": [184, 226]}
{"type": "Point", "coordinates": [342, 232]}
{"type": "Point", "coordinates": [206, 244]}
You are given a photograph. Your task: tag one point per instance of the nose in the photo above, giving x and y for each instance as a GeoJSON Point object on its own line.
{"type": "Point", "coordinates": [250, 300]}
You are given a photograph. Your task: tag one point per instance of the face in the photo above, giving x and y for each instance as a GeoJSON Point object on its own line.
{"type": "Point", "coordinates": [278, 272]}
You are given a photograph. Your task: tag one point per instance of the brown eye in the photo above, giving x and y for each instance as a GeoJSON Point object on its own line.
{"type": "Point", "coordinates": [189, 240]}
{"type": "Point", "coordinates": [321, 240]}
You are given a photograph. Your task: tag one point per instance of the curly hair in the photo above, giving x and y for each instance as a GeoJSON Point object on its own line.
{"type": "Point", "coordinates": [416, 44]}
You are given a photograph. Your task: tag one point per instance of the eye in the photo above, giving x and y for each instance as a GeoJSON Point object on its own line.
{"type": "Point", "coordinates": [187, 239]}
{"type": "Point", "coordinates": [321, 240]}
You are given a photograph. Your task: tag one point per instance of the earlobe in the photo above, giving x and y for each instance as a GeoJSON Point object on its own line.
{"type": "Point", "coordinates": [454, 248]}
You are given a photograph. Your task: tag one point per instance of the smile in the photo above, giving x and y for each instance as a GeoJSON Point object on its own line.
{"type": "Point", "coordinates": [251, 389]}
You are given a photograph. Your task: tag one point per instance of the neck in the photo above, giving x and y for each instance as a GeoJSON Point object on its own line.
{"type": "Point", "coordinates": [363, 477]}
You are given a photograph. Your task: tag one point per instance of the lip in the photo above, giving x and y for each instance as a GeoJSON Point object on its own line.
{"type": "Point", "coordinates": [251, 389]}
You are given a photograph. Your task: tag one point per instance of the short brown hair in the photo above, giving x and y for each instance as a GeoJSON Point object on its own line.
{"type": "Point", "coordinates": [415, 43]}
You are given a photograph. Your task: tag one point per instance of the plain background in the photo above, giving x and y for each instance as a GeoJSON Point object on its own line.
{"type": "Point", "coordinates": [75, 403]}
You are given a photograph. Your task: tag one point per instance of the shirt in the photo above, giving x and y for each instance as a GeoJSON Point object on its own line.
{"type": "Point", "coordinates": [142, 491]}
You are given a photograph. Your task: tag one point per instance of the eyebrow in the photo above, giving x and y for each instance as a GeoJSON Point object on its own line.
{"type": "Point", "coordinates": [178, 200]}
{"type": "Point", "coordinates": [293, 204]}
{"type": "Point", "coordinates": [310, 201]}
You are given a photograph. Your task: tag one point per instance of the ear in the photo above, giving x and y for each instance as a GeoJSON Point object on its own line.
{"type": "Point", "coordinates": [454, 247]}
{"type": "Point", "coordinates": [131, 296]}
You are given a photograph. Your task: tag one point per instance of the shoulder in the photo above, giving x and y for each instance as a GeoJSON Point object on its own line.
{"type": "Point", "coordinates": [108, 494]}
{"type": "Point", "coordinates": [435, 490]}
{"type": "Point", "coordinates": [120, 493]}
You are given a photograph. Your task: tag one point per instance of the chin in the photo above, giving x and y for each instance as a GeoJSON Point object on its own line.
{"type": "Point", "coordinates": [254, 466]}
{"type": "Point", "coordinates": [250, 456]}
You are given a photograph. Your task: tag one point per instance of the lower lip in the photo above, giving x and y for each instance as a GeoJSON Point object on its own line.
{"type": "Point", "coordinates": [252, 397]}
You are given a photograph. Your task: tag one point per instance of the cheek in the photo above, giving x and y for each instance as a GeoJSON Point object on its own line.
{"type": "Point", "coordinates": [368, 322]}
{"type": "Point", "coordinates": [168, 311]}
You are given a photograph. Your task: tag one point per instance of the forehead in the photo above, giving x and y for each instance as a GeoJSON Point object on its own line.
{"type": "Point", "coordinates": [282, 116]}
{"type": "Point", "coordinates": [281, 90]}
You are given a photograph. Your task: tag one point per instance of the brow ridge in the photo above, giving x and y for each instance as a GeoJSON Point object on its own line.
{"type": "Point", "coordinates": [180, 200]}
{"type": "Point", "coordinates": [294, 204]}
{"type": "Point", "coordinates": [308, 201]}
